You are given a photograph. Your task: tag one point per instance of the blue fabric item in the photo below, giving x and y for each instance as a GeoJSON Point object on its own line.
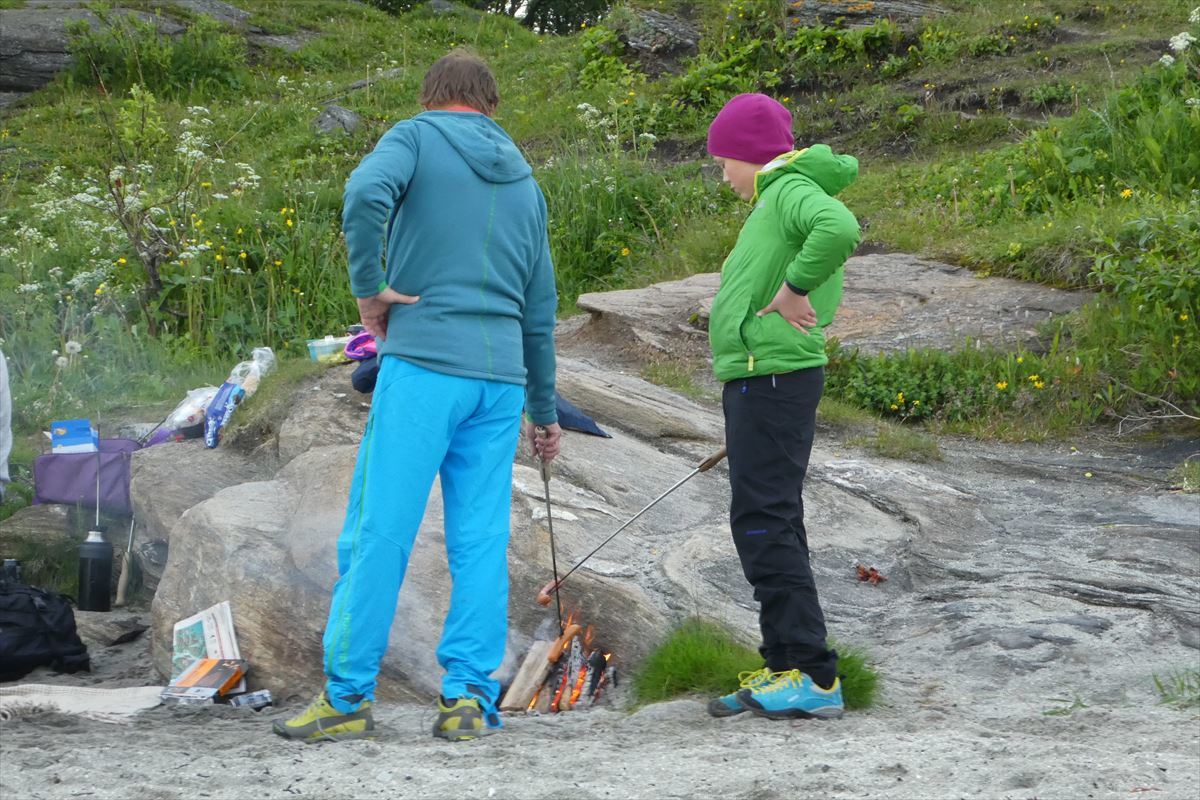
{"type": "Point", "coordinates": [573, 419]}
{"type": "Point", "coordinates": [422, 424]}
{"type": "Point", "coordinates": [569, 417]}
{"type": "Point", "coordinates": [466, 231]}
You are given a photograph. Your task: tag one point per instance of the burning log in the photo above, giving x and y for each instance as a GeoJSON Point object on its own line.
{"type": "Point", "coordinates": [533, 673]}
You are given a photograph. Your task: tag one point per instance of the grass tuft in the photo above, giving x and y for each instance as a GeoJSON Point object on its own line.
{"type": "Point", "coordinates": [1187, 476]}
{"type": "Point", "coordinates": [704, 658]}
{"type": "Point", "coordinates": [1179, 687]}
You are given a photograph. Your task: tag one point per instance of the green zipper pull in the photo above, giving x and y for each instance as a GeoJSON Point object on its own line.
{"type": "Point", "coordinates": [750, 361]}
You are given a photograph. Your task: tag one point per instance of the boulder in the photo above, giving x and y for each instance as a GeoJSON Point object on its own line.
{"type": "Point", "coordinates": [1001, 560]}
{"type": "Point", "coordinates": [854, 13]}
{"type": "Point", "coordinates": [335, 119]}
{"type": "Point", "coordinates": [327, 411]}
{"type": "Point", "coordinates": [34, 41]}
{"type": "Point", "coordinates": [269, 548]}
{"type": "Point", "coordinates": [109, 628]}
{"type": "Point", "coordinates": [660, 42]}
{"type": "Point", "coordinates": [168, 479]}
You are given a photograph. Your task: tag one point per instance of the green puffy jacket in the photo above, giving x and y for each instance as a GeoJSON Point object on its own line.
{"type": "Point", "coordinates": [796, 231]}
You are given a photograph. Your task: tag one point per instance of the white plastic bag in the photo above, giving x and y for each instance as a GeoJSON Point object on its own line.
{"type": "Point", "coordinates": [247, 374]}
{"type": "Point", "coordinates": [191, 410]}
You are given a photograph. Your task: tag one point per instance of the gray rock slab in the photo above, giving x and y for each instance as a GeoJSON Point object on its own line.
{"type": "Point", "coordinates": [336, 119]}
{"type": "Point", "coordinates": [34, 42]}
{"type": "Point", "coordinates": [892, 302]}
{"type": "Point", "coordinates": [327, 411]}
{"type": "Point", "coordinates": [109, 628]}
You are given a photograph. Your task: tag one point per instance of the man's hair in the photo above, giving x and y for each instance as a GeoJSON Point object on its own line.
{"type": "Point", "coordinates": [460, 78]}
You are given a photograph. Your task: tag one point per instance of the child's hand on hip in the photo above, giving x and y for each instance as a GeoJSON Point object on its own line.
{"type": "Point", "coordinates": [793, 307]}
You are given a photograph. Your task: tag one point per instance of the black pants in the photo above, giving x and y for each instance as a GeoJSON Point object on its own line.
{"type": "Point", "coordinates": [769, 424]}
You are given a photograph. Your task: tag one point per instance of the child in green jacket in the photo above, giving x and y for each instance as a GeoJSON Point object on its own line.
{"type": "Point", "coordinates": [780, 287]}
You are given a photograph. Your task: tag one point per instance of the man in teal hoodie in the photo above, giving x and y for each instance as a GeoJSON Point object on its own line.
{"type": "Point", "coordinates": [780, 287]}
{"type": "Point", "coordinates": [464, 319]}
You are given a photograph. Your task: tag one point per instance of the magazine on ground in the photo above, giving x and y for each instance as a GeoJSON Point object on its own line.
{"type": "Point", "coordinates": [208, 634]}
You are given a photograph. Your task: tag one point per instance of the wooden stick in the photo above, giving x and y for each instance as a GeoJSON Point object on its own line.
{"type": "Point", "coordinates": [530, 677]}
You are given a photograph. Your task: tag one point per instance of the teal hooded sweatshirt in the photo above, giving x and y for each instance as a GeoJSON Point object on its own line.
{"type": "Point", "coordinates": [800, 232]}
{"type": "Point", "coordinates": [466, 231]}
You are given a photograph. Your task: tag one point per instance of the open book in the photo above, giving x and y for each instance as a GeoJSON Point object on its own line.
{"type": "Point", "coordinates": [208, 634]}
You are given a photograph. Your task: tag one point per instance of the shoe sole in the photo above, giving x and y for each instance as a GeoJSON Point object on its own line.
{"type": "Point", "coordinates": [718, 709]}
{"type": "Point", "coordinates": [323, 737]}
{"type": "Point", "coordinates": [797, 713]}
{"type": "Point", "coordinates": [462, 737]}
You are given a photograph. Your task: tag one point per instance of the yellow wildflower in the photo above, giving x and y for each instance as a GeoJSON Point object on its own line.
{"type": "Point", "coordinates": [278, 263]}
{"type": "Point", "coordinates": [289, 223]}
{"type": "Point", "coordinates": [1127, 193]}
{"type": "Point", "coordinates": [1183, 317]}
{"type": "Point", "coordinates": [121, 260]}
{"type": "Point", "coordinates": [242, 254]}
{"type": "Point", "coordinates": [220, 257]}
{"type": "Point", "coordinates": [1039, 384]}
{"type": "Point", "coordinates": [1002, 385]}
{"type": "Point", "coordinates": [895, 407]}
{"type": "Point", "coordinates": [625, 251]}
{"type": "Point", "coordinates": [1020, 359]}
{"type": "Point", "coordinates": [205, 185]}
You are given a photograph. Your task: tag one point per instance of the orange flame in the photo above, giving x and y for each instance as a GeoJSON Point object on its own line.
{"type": "Point", "coordinates": [578, 690]}
{"type": "Point", "coordinates": [533, 702]}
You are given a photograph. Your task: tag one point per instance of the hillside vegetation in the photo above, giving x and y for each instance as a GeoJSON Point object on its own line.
{"type": "Point", "coordinates": [167, 204]}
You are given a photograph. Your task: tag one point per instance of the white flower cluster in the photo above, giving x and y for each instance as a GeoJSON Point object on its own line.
{"type": "Point", "coordinates": [1194, 17]}
{"type": "Point", "coordinates": [29, 288]}
{"type": "Point", "coordinates": [1180, 42]}
{"type": "Point", "coordinates": [1192, 102]}
{"type": "Point", "coordinates": [249, 179]}
{"type": "Point", "coordinates": [1167, 60]}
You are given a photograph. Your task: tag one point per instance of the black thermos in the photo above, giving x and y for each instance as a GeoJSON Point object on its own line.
{"type": "Point", "coordinates": [95, 573]}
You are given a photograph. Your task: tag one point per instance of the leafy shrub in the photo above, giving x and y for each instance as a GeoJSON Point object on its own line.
{"type": "Point", "coordinates": [127, 50]}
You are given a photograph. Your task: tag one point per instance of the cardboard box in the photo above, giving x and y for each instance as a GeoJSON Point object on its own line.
{"type": "Point", "coordinates": [73, 436]}
{"type": "Point", "coordinates": [205, 680]}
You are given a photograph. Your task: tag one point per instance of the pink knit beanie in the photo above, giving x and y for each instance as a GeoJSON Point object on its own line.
{"type": "Point", "coordinates": [752, 128]}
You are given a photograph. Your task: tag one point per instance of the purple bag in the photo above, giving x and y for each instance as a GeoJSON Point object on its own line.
{"type": "Point", "coordinates": [70, 478]}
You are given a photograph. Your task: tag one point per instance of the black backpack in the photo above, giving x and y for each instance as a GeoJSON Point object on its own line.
{"type": "Point", "coordinates": [37, 627]}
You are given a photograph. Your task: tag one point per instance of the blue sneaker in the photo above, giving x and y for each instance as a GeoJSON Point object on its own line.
{"type": "Point", "coordinates": [729, 705]}
{"type": "Point", "coordinates": [786, 695]}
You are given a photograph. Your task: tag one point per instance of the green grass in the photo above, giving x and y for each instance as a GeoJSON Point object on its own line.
{"type": "Point", "coordinates": [1187, 476]}
{"type": "Point", "coordinates": [839, 414]}
{"type": "Point", "coordinates": [961, 97]}
{"type": "Point", "coordinates": [906, 443]}
{"type": "Point", "coordinates": [680, 378]}
{"type": "Point", "coordinates": [1180, 687]}
{"type": "Point", "coordinates": [701, 657]}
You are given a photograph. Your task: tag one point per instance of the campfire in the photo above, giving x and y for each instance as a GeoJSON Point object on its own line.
{"type": "Point", "coordinates": [566, 674]}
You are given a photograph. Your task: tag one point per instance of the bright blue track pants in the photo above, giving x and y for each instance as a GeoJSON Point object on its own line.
{"type": "Point", "coordinates": [422, 424]}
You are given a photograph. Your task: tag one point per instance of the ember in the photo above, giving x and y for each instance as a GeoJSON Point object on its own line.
{"type": "Point", "coordinates": [870, 575]}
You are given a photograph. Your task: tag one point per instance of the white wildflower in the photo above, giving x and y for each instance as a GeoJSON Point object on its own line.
{"type": "Point", "coordinates": [283, 81]}
{"type": "Point", "coordinates": [1167, 60]}
{"type": "Point", "coordinates": [1181, 41]}
{"type": "Point", "coordinates": [74, 348]}
{"type": "Point", "coordinates": [1194, 17]}
{"type": "Point", "coordinates": [61, 362]}
{"type": "Point", "coordinates": [199, 111]}
{"type": "Point", "coordinates": [648, 137]}
{"type": "Point", "coordinates": [29, 288]}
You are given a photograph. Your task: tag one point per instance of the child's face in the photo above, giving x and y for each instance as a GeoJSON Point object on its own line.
{"type": "Point", "coordinates": [739, 175]}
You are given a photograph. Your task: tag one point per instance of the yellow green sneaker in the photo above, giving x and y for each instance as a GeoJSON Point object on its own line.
{"type": "Point", "coordinates": [321, 722]}
{"type": "Point", "coordinates": [728, 705]}
{"type": "Point", "coordinates": [458, 720]}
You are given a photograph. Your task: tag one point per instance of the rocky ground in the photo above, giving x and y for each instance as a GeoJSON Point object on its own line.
{"type": "Point", "coordinates": [1034, 592]}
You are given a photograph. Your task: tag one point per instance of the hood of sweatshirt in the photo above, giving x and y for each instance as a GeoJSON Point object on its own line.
{"type": "Point", "coordinates": [481, 142]}
{"type": "Point", "coordinates": [829, 171]}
